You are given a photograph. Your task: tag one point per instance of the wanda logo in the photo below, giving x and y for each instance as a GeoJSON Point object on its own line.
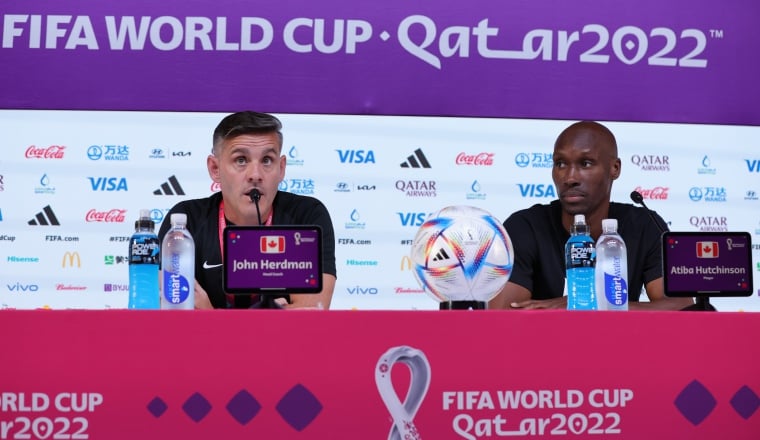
{"type": "Point", "coordinates": [51, 152]}
{"type": "Point", "coordinates": [485, 159]}
{"type": "Point", "coordinates": [112, 216]}
{"type": "Point", "coordinates": [656, 193]}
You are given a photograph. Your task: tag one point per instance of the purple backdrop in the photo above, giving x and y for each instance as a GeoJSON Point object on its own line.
{"type": "Point", "coordinates": [674, 61]}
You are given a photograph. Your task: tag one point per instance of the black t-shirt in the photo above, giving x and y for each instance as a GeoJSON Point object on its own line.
{"type": "Point", "coordinates": [539, 241]}
{"type": "Point", "coordinates": [203, 225]}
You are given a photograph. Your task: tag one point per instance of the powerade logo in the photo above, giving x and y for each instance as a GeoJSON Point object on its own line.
{"type": "Point", "coordinates": [108, 152]}
{"type": "Point", "coordinates": [297, 186]}
{"type": "Point", "coordinates": [293, 159]}
{"type": "Point", "coordinates": [535, 160]}
{"type": "Point", "coordinates": [536, 190]}
{"type": "Point", "coordinates": [356, 156]}
{"type": "Point", "coordinates": [707, 194]}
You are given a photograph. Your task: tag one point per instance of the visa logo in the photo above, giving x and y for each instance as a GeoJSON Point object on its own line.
{"type": "Point", "coordinates": [108, 183]}
{"type": "Point", "coordinates": [536, 190]}
{"type": "Point", "coordinates": [358, 290]}
{"type": "Point", "coordinates": [356, 156]}
{"type": "Point", "coordinates": [18, 287]}
{"type": "Point", "coordinates": [754, 165]}
{"type": "Point", "coordinates": [412, 218]}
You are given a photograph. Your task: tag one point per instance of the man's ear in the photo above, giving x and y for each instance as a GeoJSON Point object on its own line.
{"type": "Point", "coordinates": [212, 163]}
{"type": "Point", "coordinates": [616, 166]}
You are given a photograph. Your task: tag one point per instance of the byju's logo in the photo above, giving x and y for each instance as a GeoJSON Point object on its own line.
{"type": "Point", "coordinates": [108, 152]}
{"type": "Point", "coordinates": [416, 160]}
{"type": "Point", "coordinates": [170, 188]}
{"type": "Point", "coordinates": [108, 183]}
{"type": "Point", "coordinates": [535, 160]}
{"type": "Point", "coordinates": [707, 194]}
{"type": "Point", "coordinates": [536, 190]}
{"type": "Point", "coordinates": [753, 165]}
{"type": "Point", "coordinates": [46, 217]}
{"type": "Point", "coordinates": [356, 156]}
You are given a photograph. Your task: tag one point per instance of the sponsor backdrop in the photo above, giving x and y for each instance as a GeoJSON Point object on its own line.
{"type": "Point", "coordinates": [73, 184]}
{"type": "Point", "coordinates": [109, 108]}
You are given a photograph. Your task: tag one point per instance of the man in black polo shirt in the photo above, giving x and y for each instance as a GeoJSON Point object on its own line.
{"type": "Point", "coordinates": [585, 165]}
{"type": "Point", "coordinates": [246, 155]}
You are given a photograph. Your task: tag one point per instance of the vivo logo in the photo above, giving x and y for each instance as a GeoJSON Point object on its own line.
{"type": "Point", "coordinates": [108, 183]}
{"type": "Point", "coordinates": [412, 218]}
{"type": "Point", "coordinates": [534, 190]}
{"type": "Point", "coordinates": [18, 287]}
{"type": "Point", "coordinates": [358, 290]}
{"type": "Point", "coordinates": [356, 156]}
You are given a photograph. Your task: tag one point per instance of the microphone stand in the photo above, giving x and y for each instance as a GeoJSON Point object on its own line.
{"type": "Point", "coordinates": [265, 301]}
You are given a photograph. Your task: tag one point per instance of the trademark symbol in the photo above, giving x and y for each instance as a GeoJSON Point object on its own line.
{"type": "Point", "coordinates": [716, 33]}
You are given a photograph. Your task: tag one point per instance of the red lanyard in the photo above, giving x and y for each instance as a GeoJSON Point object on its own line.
{"type": "Point", "coordinates": [223, 224]}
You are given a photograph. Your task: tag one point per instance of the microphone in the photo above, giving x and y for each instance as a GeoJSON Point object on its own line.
{"type": "Point", "coordinates": [255, 195]}
{"type": "Point", "coordinates": [639, 200]}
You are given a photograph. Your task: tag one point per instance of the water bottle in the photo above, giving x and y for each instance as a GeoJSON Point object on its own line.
{"type": "Point", "coordinates": [611, 268]}
{"type": "Point", "coordinates": [178, 266]}
{"type": "Point", "coordinates": [579, 267]}
{"type": "Point", "coordinates": [143, 264]}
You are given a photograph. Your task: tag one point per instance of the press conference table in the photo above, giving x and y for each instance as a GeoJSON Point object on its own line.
{"type": "Point", "coordinates": [121, 374]}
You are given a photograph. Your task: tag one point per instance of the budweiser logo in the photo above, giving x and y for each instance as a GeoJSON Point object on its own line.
{"type": "Point", "coordinates": [475, 159]}
{"type": "Point", "coordinates": [407, 290]}
{"type": "Point", "coordinates": [51, 152]}
{"type": "Point", "coordinates": [69, 287]}
{"type": "Point", "coordinates": [656, 193]}
{"type": "Point", "coordinates": [112, 216]}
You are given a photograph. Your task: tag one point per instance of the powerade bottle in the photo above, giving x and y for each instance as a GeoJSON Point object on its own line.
{"type": "Point", "coordinates": [178, 266]}
{"type": "Point", "coordinates": [143, 264]}
{"type": "Point", "coordinates": [579, 267]}
{"type": "Point", "coordinates": [611, 268]}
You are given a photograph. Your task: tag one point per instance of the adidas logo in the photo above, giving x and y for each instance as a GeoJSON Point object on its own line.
{"type": "Point", "coordinates": [441, 255]}
{"type": "Point", "coordinates": [46, 217]}
{"type": "Point", "coordinates": [170, 188]}
{"type": "Point", "coordinates": [416, 160]}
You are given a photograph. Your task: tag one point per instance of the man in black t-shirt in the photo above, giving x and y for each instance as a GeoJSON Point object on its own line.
{"type": "Point", "coordinates": [586, 163]}
{"type": "Point", "coordinates": [246, 155]}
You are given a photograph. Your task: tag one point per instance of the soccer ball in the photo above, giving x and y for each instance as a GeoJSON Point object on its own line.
{"type": "Point", "coordinates": [462, 253]}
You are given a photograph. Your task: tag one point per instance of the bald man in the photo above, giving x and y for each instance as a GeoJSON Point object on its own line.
{"type": "Point", "coordinates": [586, 163]}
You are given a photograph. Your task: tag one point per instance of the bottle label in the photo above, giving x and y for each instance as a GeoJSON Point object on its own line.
{"type": "Point", "coordinates": [144, 249]}
{"type": "Point", "coordinates": [176, 288]}
{"type": "Point", "coordinates": [582, 254]}
{"type": "Point", "coordinates": [615, 286]}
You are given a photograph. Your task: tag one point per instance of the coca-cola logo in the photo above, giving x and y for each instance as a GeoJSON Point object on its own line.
{"type": "Point", "coordinates": [112, 216]}
{"type": "Point", "coordinates": [656, 193]}
{"type": "Point", "coordinates": [51, 152]}
{"type": "Point", "coordinates": [485, 159]}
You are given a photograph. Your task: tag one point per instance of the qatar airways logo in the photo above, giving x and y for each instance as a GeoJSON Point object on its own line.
{"type": "Point", "coordinates": [656, 193]}
{"type": "Point", "coordinates": [480, 159]}
{"type": "Point", "coordinates": [651, 162]}
{"type": "Point", "coordinates": [112, 216]}
{"type": "Point", "coordinates": [51, 152]}
{"type": "Point", "coordinates": [709, 223]}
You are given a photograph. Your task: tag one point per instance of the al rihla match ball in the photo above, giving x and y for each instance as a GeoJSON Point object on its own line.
{"type": "Point", "coordinates": [462, 253]}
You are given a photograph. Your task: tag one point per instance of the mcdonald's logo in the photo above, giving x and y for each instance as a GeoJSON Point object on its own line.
{"type": "Point", "coordinates": [71, 257]}
{"type": "Point", "coordinates": [406, 263]}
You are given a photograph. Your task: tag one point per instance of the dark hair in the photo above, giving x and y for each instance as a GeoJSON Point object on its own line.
{"type": "Point", "coordinates": [246, 122]}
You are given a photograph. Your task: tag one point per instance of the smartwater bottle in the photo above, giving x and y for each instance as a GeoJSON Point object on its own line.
{"type": "Point", "coordinates": [579, 267]}
{"type": "Point", "coordinates": [143, 264]}
{"type": "Point", "coordinates": [611, 268]}
{"type": "Point", "coordinates": [178, 266]}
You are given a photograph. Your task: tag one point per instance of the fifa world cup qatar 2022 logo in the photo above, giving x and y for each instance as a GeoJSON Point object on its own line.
{"type": "Point", "coordinates": [403, 413]}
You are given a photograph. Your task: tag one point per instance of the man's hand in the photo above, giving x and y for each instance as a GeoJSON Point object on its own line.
{"type": "Point", "coordinates": [201, 298]}
{"type": "Point", "coordinates": [532, 304]}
